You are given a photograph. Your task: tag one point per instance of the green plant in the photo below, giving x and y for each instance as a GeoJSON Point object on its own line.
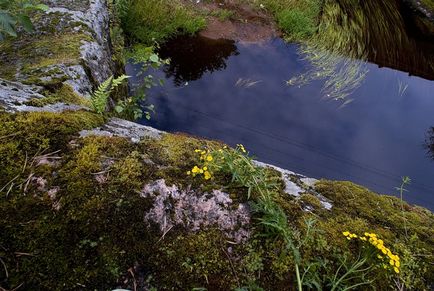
{"type": "Point", "coordinates": [14, 13]}
{"type": "Point", "coordinates": [270, 216]}
{"type": "Point", "coordinates": [100, 97]}
{"type": "Point", "coordinates": [157, 20]}
{"type": "Point", "coordinates": [223, 14]}
{"type": "Point", "coordinates": [405, 181]}
{"type": "Point", "coordinates": [133, 107]}
{"type": "Point", "coordinates": [297, 19]}
{"type": "Point", "coordinates": [239, 165]}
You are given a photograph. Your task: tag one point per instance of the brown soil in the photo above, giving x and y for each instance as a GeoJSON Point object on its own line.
{"type": "Point", "coordinates": [247, 24]}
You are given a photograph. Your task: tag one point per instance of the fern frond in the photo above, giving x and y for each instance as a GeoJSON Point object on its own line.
{"type": "Point", "coordinates": [100, 97]}
{"type": "Point", "coordinates": [119, 80]}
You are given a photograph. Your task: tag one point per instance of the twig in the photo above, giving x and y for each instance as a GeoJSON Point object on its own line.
{"type": "Point", "coordinates": [10, 135]}
{"type": "Point", "coordinates": [130, 270]}
{"type": "Point", "coordinates": [23, 254]}
{"type": "Point", "coordinates": [29, 178]}
{"type": "Point", "coordinates": [4, 266]}
{"type": "Point", "coordinates": [4, 187]}
{"type": "Point", "coordinates": [164, 233]}
{"type": "Point", "coordinates": [232, 265]}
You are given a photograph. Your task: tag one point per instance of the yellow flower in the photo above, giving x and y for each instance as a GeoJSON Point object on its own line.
{"type": "Point", "coordinates": [346, 233]}
{"type": "Point", "coordinates": [205, 168]}
{"type": "Point", "coordinates": [380, 257]}
{"type": "Point", "coordinates": [384, 251]}
{"type": "Point", "coordinates": [397, 264]}
{"type": "Point", "coordinates": [188, 173]}
{"type": "Point", "coordinates": [197, 150]}
{"type": "Point", "coordinates": [392, 262]}
{"type": "Point", "coordinates": [207, 175]}
{"type": "Point", "coordinates": [195, 169]}
{"type": "Point", "coordinates": [201, 171]}
{"type": "Point", "coordinates": [396, 270]}
{"type": "Point", "coordinates": [209, 158]}
{"type": "Point", "coordinates": [241, 147]}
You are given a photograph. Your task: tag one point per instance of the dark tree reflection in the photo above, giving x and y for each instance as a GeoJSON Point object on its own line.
{"type": "Point", "coordinates": [191, 57]}
{"type": "Point", "coordinates": [429, 142]}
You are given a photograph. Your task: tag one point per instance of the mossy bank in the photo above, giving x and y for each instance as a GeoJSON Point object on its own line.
{"type": "Point", "coordinates": [73, 212]}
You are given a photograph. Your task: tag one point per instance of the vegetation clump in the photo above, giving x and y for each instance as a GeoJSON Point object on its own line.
{"type": "Point", "coordinates": [156, 20]}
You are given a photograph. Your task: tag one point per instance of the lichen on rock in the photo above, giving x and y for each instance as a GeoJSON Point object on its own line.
{"type": "Point", "coordinates": [192, 210]}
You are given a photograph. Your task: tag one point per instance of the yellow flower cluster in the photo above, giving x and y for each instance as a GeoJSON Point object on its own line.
{"type": "Point", "coordinates": [206, 157]}
{"type": "Point", "coordinates": [241, 148]}
{"type": "Point", "coordinates": [386, 255]}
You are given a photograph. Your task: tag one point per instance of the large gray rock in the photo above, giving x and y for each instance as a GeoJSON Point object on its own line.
{"type": "Point", "coordinates": [123, 128]}
{"type": "Point", "coordinates": [71, 45]}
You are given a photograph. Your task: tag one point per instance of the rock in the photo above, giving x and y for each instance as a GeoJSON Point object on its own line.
{"type": "Point", "coordinates": [296, 184]}
{"type": "Point", "coordinates": [194, 211]}
{"type": "Point", "coordinates": [79, 56]}
{"type": "Point", "coordinates": [124, 128]}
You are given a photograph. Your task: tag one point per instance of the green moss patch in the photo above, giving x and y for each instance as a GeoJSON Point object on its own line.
{"type": "Point", "coordinates": [64, 94]}
{"type": "Point", "coordinates": [29, 56]}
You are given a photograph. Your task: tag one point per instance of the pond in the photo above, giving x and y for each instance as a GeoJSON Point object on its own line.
{"type": "Point", "coordinates": [237, 93]}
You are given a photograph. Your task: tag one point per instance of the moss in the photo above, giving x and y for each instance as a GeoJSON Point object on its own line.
{"type": "Point", "coordinates": [310, 200]}
{"type": "Point", "coordinates": [175, 153]}
{"type": "Point", "coordinates": [29, 55]}
{"type": "Point", "coordinates": [355, 201]}
{"type": "Point", "coordinates": [195, 260]}
{"type": "Point", "coordinates": [27, 135]}
{"type": "Point", "coordinates": [98, 233]}
{"type": "Point", "coordinates": [357, 209]}
{"type": "Point", "coordinates": [65, 95]}
{"type": "Point", "coordinates": [129, 170]}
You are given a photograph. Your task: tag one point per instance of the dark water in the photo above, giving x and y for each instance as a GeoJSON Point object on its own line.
{"type": "Point", "coordinates": [240, 96]}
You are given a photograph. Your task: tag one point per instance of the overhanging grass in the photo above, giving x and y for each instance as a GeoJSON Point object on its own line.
{"type": "Point", "coordinates": [157, 20]}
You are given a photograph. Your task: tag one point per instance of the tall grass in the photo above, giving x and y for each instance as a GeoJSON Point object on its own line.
{"type": "Point", "coordinates": [298, 19]}
{"type": "Point", "coordinates": [152, 21]}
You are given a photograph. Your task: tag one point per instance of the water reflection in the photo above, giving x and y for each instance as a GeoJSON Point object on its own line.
{"type": "Point", "coordinates": [429, 143]}
{"type": "Point", "coordinates": [191, 57]}
{"type": "Point", "coordinates": [383, 32]}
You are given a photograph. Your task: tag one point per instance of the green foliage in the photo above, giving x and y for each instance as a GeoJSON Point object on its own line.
{"type": "Point", "coordinates": [298, 19]}
{"type": "Point", "coordinates": [133, 107]}
{"type": "Point", "coordinates": [296, 23]}
{"type": "Point", "coordinates": [157, 20]}
{"type": "Point", "coordinates": [14, 13]}
{"type": "Point", "coordinates": [100, 97]}
{"type": "Point", "coordinates": [223, 14]}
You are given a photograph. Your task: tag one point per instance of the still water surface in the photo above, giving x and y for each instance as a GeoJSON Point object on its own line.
{"type": "Point", "coordinates": [236, 93]}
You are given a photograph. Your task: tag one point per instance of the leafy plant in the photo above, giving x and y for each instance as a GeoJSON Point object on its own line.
{"type": "Point", "coordinates": [132, 107]}
{"type": "Point", "coordinates": [100, 97]}
{"type": "Point", "coordinates": [14, 13]}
